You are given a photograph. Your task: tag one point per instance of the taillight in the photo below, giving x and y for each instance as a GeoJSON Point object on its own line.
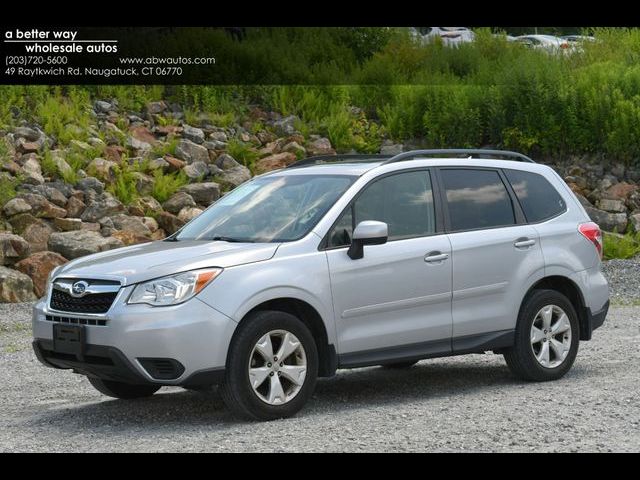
{"type": "Point", "coordinates": [591, 232]}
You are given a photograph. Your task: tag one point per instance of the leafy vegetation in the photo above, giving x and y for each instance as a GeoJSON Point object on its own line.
{"type": "Point", "coordinates": [242, 152]}
{"type": "Point", "coordinates": [166, 185]}
{"type": "Point", "coordinates": [489, 92]}
{"type": "Point", "coordinates": [621, 246]}
{"type": "Point", "coordinates": [8, 186]}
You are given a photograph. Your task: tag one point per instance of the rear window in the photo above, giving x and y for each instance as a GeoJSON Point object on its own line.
{"type": "Point", "coordinates": [477, 199]}
{"type": "Point", "coordinates": [537, 197]}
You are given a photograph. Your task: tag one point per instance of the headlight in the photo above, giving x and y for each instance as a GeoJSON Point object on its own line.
{"type": "Point", "coordinates": [173, 289]}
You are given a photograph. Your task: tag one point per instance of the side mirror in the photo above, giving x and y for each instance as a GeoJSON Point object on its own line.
{"type": "Point", "coordinates": [369, 232]}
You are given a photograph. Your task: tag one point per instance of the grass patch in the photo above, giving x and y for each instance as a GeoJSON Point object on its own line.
{"type": "Point", "coordinates": [166, 185]}
{"type": "Point", "coordinates": [8, 185]}
{"type": "Point", "coordinates": [621, 246]}
{"type": "Point", "coordinates": [242, 152]}
{"type": "Point", "coordinates": [165, 148]}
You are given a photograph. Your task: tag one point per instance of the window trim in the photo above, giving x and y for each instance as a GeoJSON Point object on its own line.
{"type": "Point", "coordinates": [437, 207]}
{"type": "Point", "coordinates": [518, 215]}
{"type": "Point", "coordinates": [546, 219]}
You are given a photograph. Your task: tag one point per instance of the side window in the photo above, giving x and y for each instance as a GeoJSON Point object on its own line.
{"type": "Point", "coordinates": [403, 201]}
{"type": "Point", "coordinates": [477, 199]}
{"type": "Point", "coordinates": [537, 197]}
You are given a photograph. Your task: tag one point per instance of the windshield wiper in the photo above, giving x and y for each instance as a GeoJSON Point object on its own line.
{"type": "Point", "coordinates": [229, 239]}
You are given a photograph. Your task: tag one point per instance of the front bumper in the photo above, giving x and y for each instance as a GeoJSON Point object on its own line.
{"type": "Point", "coordinates": [189, 341]}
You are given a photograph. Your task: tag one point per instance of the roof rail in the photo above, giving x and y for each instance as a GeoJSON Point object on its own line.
{"type": "Point", "coordinates": [461, 151]}
{"type": "Point", "coordinates": [349, 157]}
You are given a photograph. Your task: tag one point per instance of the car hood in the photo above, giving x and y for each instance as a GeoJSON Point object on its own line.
{"type": "Point", "coordinates": [146, 261]}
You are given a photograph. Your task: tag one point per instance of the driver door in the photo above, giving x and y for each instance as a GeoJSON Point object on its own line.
{"type": "Point", "coordinates": [396, 301]}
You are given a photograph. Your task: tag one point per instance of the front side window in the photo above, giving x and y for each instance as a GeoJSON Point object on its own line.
{"type": "Point", "coordinates": [537, 197]}
{"type": "Point", "coordinates": [403, 201]}
{"type": "Point", "coordinates": [277, 208]}
{"type": "Point", "coordinates": [476, 199]}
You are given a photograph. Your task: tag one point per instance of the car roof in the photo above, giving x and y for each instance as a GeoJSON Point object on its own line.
{"type": "Point", "coordinates": [360, 168]}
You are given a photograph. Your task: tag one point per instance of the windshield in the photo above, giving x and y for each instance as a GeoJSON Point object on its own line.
{"type": "Point", "coordinates": [269, 209]}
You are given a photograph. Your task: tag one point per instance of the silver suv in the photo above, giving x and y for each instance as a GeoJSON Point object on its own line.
{"type": "Point", "coordinates": [337, 262]}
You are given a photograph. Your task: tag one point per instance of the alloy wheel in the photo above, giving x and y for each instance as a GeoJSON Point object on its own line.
{"type": "Point", "coordinates": [277, 367]}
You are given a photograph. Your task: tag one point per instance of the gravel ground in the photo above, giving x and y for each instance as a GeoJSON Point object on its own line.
{"type": "Point", "coordinates": [624, 280]}
{"type": "Point", "coordinates": [468, 403]}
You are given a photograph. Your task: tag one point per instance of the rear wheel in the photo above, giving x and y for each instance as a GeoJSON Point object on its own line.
{"type": "Point", "coordinates": [547, 337]}
{"type": "Point", "coordinates": [125, 391]}
{"type": "Point", "coordinates": [272, 367]}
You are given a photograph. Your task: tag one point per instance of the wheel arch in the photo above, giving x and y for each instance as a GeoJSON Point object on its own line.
{"type": "Point", "coordinates": [569, 289]}
{"type": "Point", "coordinates": [309, 315]}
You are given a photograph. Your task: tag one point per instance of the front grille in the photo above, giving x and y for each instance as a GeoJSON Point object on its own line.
{"type": "Point", "coordinates": [76, 321]}
{"type": "Point", "coordinates": [91, 303]}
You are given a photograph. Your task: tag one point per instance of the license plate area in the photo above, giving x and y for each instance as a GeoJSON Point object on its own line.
{"type": "Point", "coordinates": [69, 339]}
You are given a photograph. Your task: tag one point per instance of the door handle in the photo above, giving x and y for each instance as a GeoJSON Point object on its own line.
{"type": "Point", "coordinates": [434, 257]}
{"type": "Point", "coordinates": [524, 243]}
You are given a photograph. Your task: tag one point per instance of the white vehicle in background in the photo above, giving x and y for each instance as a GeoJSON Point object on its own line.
{"type": "Point", "coordinates": [449, 35]}
{"type": "Point", "coordinates": [547, 43]}
{"type": "Point", "coordinates": [577, 39]}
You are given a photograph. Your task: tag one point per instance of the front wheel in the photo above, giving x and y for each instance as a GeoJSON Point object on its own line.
{"type": "Point", "coordinates": [125, 391]}
{"type": "Point", "coordinates": [272, 367]}
{"type": "Point", "coordinates": [547, 337]}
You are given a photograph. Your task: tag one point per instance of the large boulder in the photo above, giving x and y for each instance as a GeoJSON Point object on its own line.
{"type": "Point", "coordinates": [143, 206]}
{"type": "Point", "coordinates": [194, 134]}
{"type": "Point", "coordinates": [38, 266]}
{"type": "Point", "coordinates": [635, 221]}
{"type": "Point", "coordinates": [274, 162]}
{"type": "Point", "coordinates": [178, 201]}
{"type": "Point", "coordinates": [15, 286]}
{"type": "Point", "coordinates": [189, 213]}
{"type": "Point", "coordinates": [320, 146]}
{"type": "Point", "coordinates": [16, 206]}
{"type": "Point", "coordinates": [104, 205]}
{"type": "Point", "coordinates": [130, 224]}
{"type": "Point", "coordinates": [196, 171]}
{"type": "Point", "coordinates": [77, 244]}
{"type": "Point", "coordinates": [169, 222]}
{"type": "Point", "coordinates": [610, 222]}
{"type": "Point", "coordinates": [37, 234]}
{"type": "Point", "coordinates": [203, 193]}
{"type": "Point", "coordinates": [226, 162]}
{"type": "Point", "coordinates": [103, 169]}
{"type": "Point", "coordinates": [128, 237]}
{"type": "Point", "coordinates": [191, 152]}
{"type": "Point", "coordinates": [233, 177]}
{"type": "Point", "coordinates": [75, 207]}
{"type": "Point", "coordinates": [620, 191]}
{"type": "Point", "coordinates": [613, 206]}
{"type": "Point", "coordinates": [90, 183]}
{"type": "Point", "coordinates": [12, 248]}
{"type": "Point", "coordinates": [41, 207]}
{"type": "Point", "coordinates": [286, 126]}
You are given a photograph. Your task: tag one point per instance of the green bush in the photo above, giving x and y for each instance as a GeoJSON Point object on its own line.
{"type": "Point", "coordinates": [166, 185]}
{"type": "Point", "coordinates": [621, 246]}
{"type": "Point", "coordinates": [8, 186]}
{"type": "Point", "coordinates": [242, 152]}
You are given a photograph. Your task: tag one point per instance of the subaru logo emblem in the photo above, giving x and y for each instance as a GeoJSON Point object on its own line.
{"type": "Point", "coordinates": [78, 289]}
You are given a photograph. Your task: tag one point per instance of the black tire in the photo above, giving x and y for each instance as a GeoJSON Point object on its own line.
{"type": "Point", "coordinates": [520, 358]}
{"type": "Point", "coordinates": [125, 391]}
{"type": "Point", "coordinates": [400, 365]}
{"type": "Point", "coordinates": [236, 390]}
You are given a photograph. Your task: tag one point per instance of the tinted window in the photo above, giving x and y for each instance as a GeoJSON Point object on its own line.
{"type": "Point", "coordinates": [476, 199]}
{"type": "Point", "coordinates": [538, 199]}
{"type": "Point", "coordinates": [403, 201]}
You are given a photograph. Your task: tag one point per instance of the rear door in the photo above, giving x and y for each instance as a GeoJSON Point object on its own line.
{"type": "Point", "coordinates": [494, 252]}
